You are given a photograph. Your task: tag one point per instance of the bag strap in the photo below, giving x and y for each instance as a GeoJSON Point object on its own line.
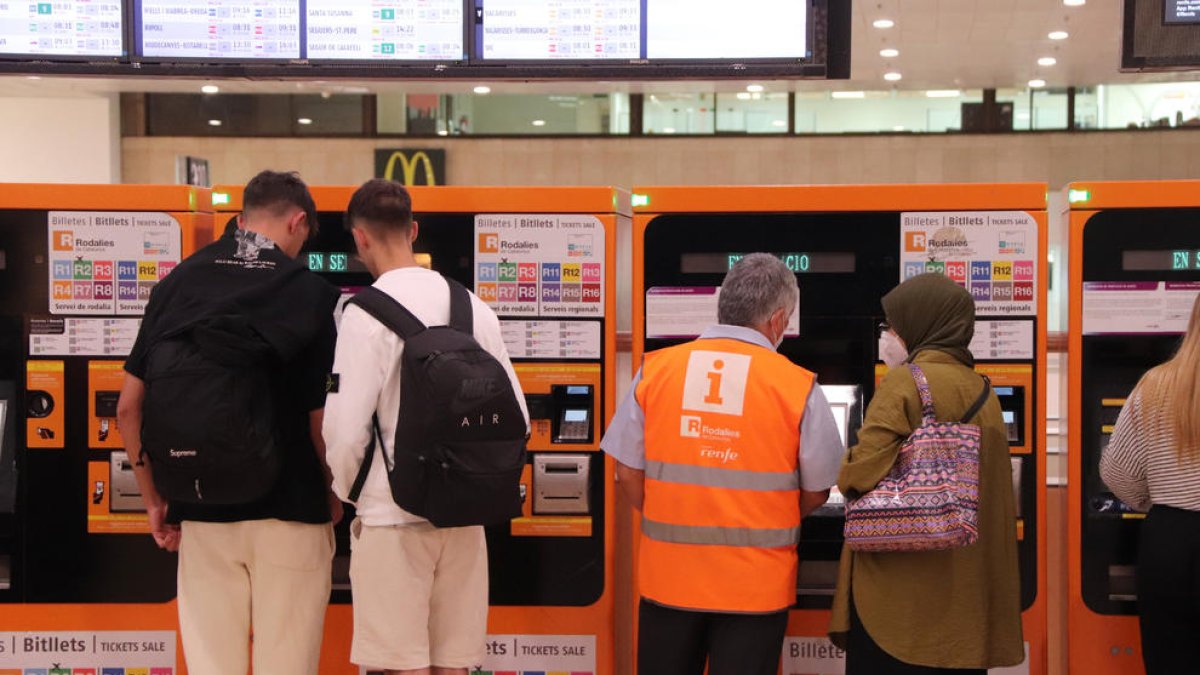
{"type": "Point", "coordinates": [979, 403]}
{"type": "Point", "coordinates": [388, 312]}
{"type": "Point", "coordinates": [928, 415]}
{"type": "Point", "coordinates": [462, 317]}
{"type": "Point", "coordinates": [363, 471]}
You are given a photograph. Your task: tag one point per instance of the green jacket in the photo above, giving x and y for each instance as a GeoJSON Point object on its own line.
{"type": "Point", "coordinates": [946, 609]}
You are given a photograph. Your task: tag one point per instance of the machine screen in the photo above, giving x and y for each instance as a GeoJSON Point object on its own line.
{"type": "Point", "coordinates": [819, 262]}
{"type": "Point", "coordinates": [1163, 260]}
{"type": "Point", "coordinates": [1182, 11]}
{"type": "Point", "coordinates": [1012, 410]}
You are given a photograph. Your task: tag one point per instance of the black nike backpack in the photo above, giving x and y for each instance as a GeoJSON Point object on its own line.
{"type": "Point", "coordinates": [460, 439]}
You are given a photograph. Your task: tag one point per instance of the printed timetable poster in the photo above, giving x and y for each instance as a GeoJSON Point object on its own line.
{"type": "Point", "coordinates": [108, 262]}
{"type": "Point", "coordinates": [992, 254]}
{"type": "Point", "coordinates": [540, 265]}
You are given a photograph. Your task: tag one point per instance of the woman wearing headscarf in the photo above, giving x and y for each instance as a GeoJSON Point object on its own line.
{"type": "Point", "coordinates": [951, 611]}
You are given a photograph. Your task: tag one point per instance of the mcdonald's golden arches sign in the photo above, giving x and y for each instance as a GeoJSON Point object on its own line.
{"type": "Point", "coordinates": [411, 166]}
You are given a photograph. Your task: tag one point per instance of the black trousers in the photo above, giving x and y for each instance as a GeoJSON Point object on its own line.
{"type": "Point", "coordinates": [678, 642]}
{"type": "Point", "coordinates": [1169, 591]}
{"type": "Point", "coordinates": [864, 657]}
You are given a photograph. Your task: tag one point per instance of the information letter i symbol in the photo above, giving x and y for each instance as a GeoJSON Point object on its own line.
{"type": "Point", "coordinates": [714, 385]}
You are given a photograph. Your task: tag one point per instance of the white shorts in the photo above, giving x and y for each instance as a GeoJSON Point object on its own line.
{"type": "Point", "coordinates": [420, 596]}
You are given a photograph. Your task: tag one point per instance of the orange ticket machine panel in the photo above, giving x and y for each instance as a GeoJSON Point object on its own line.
{"type": "Point", "coordinates": [850, 245]}
{"type": "Point", "coordinates": [1135, 272]}
{"type": "Point", "coordinates": [78, 569]}
{"type": "Point", "coordinates": [544, 259]}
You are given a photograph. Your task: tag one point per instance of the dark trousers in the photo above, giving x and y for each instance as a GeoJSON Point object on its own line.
{"type": "Point", "coordinates": [864, 657]}
{"type": "Point", "coordinates": [1169, 591]}
{"type": "Point", "coordinates": [678, 642]}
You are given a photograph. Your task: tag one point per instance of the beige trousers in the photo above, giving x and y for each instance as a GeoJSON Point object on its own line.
{"type": "Point", "coordinates": [269, 579]}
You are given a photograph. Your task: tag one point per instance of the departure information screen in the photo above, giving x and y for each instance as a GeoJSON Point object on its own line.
{"type": "Point", "coordinates": [820, 262]}
{"type": "Point", "coordinates": [514, 30]}
{"type": "Point", "coordinates": [1166, 260]}
{"type": "Point", "coordinates": [719, 29]}
{"type": "Point", "coordinates": [399, 30]}
{"type": "Point", "coordinates": [244, 30]}
{"type": "Point", "coordinates": [78, 28]}
{"type": "Point", "coordinates": [1183, 11]}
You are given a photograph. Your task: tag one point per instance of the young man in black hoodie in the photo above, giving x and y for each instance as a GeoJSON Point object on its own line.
{"type": "Point", "coordinates": [263, 566]}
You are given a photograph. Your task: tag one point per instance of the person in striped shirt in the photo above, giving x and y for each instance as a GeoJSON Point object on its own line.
{"type": "Point", "coordinates": [1152, 463]}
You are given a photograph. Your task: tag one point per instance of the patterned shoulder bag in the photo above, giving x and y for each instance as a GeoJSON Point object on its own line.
{"type": "Point", "coordinates": [930, 499]}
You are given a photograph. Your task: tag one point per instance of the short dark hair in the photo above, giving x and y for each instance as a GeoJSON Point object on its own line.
{"type": "Point", "coordinates": [277, 190]}
{"type": "Point", "coordinates": [381, 204]}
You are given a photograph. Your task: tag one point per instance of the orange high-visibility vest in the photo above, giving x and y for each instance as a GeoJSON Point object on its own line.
{"type": "Point", "coordinates": [721, 518]}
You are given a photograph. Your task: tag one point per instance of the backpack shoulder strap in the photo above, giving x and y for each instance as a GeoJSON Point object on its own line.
{"type": "Point", "coordinates": [462, 318]}
{"type": "Point", "coordinates": [365, 469]}
{"type": "Point", "coordinates": [979, 403]}
{"type": "Point", "coordinates": [388, 312]}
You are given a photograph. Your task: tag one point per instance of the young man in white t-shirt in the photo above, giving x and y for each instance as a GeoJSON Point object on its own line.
{"type": "Point", "coordinates": [420, 592]}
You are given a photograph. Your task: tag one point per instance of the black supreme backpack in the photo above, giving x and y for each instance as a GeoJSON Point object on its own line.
{"type": "Point", "coordinates": [209, 420]}
{"type": "Point", "coordinates": [460, 439]}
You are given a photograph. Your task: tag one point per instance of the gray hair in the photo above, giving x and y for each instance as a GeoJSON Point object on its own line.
{"type": "Point", "coordinates": [758, 285]}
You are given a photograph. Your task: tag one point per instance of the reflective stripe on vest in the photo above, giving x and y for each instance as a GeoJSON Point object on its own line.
{"type": "Point", "coordinates": [720, 536]}
{"type": "Point", "coordinates": [690, 474]}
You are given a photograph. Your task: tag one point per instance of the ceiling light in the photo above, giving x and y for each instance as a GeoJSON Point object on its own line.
{"type": "Point", "coordinates": [482, 90]}
{"type": "Point", "coordinates": [1022, 115]}
{"type": "Point", "coordinates": [443, 132]}
{"type": "Point", "coordinates": [1047, 61]}
{"type": "Point", "coordinates": [884, 23]}
{"type": "Point", "coordinates": [33, 77]}
{"type": "Point", "coordinates": [326, 95]}
{"type": "Point", "coordinates": [539, 123]}
{"type": "Point", "coordinates": [898, 128]}
{"type": "Point", "coordinates": [893, 76]}
{"type": "Point", "coordinates": [210, 89]}
{"type": "Point", "coordinates": [889, 53]}
{"type": "Point", "coordinates": [1037, 84]}
{"type": "Point", "coordinates": [755, 88]}
{"type": "Point", "coordinates": [849, 94]}
{"type": "Point", "coordinates": [669, 130]}
{"type": "Point", "coordinates": [743, 96]}
{"type": "Point", "coordinates": [1059, 35]}
{"type": "Point", "coordinates": [779, 123]}
{"type": "Point", "coordinates": [214, 123]}
{"type": "Point", "coordinates": [305, 121]}
{"type": "Point", "coordinates": [943, 93]}
{"type": "Point", "coordinates": [1074, 3]}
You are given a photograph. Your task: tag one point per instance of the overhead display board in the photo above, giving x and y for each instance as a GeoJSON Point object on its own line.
{"type": "Point", "coordinates": [61, 30]}
{"type": "Point", "coordinates": [220, 30]}
{"type": "Point", "coordinates": [445, 39]}
{"type": "Point", "coordinates": [1161, 35]}
{"type": "Point", "coordinates": [718, 29]}
{"type": "Point", "coordinates": [384, 30]}
{"type": "Point", "coordinates": [581, 30]}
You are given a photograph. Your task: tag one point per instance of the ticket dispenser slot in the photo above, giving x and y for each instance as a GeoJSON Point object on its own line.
{"type": "Point", "coordinates": [126, 495]}
{"type": "Point", "coordinates": [560, 484]}
{"type": "Point", "coordinates": [1012, 410]}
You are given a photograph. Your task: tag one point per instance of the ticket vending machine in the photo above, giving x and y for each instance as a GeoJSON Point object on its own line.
{"type": "Point", "coordinates": [544, 259]}
{"type": "Point", "coordinates": [850, 245]}
{"type": "Point", "coordinates": [81, 577]}
{"type": "Point", "coordinates": [1135, 272]}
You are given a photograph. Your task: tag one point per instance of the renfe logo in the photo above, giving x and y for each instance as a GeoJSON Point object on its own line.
{"type": "Point", "coordinates": [914, 242]}
{"type": "Point", "coordinates": [690, 426]}
{"type": "Point", "coordinates": [64, 240]}
{"type": "Point", "coordinates": [489, 242]}
{"type": "Point", "coordinates": [716, 382]}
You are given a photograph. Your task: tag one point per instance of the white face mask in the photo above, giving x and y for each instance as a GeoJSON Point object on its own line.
{"type": "Point", "coordinates": [891, 349]}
